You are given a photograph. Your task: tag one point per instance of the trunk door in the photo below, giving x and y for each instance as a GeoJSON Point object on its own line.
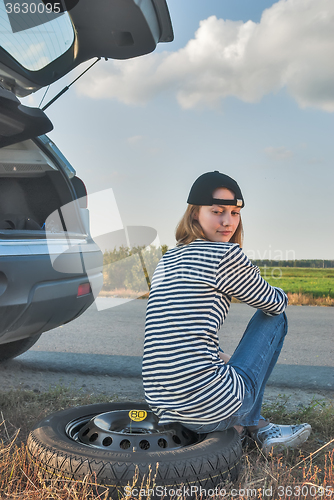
{"type": "Point", "coordinates": [19, 123]}
{"type": "Point", "coordinates": [39, 45]}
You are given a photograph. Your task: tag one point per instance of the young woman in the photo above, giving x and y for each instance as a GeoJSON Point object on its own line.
{"type": "Point", "coordinates": [187, 377]}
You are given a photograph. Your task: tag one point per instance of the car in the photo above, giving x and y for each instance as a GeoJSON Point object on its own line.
{"type": "Point", "coordinates": [50, 267]}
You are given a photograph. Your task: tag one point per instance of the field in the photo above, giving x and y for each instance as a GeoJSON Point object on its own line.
{"type": "Point", "coordinates": [304, 285]}
{"type": "Point", "coordinates": [124, 275]}
{"type": "Point", "coordinates": [301, 280]}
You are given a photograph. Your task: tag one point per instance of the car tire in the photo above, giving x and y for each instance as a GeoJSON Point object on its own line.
{"type": "Point", "coordinates": [208, 462]}
{"type": "Point", "coordinates": [13, 349]}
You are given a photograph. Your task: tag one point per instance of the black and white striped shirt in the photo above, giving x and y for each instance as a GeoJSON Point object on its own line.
{"type": "Point", "coordinates": [184, 378]}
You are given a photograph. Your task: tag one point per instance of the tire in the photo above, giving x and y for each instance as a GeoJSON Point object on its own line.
{"type": "Point", "coordinates": [209, 461]}
{"type": "Point", "coordinates": [13, 349]}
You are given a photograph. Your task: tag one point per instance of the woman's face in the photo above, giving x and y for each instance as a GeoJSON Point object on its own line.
{"type": "Point", "coordinates": [219, 222]}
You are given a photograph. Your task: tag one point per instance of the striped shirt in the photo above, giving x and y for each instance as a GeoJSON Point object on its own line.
{"type": "Point", "coordinates": [191, 291]}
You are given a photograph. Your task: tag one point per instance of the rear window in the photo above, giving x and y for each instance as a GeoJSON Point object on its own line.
{"type": "Point", "coordinates": [28, 35]}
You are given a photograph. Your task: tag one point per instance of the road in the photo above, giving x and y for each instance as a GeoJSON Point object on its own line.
{"type": "Point", "coordinates": [102, 350]}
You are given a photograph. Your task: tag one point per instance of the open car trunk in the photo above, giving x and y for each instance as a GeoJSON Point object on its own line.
{"type": "Point", "coordinates": [50, 268]}
{"type": "Point", "coordinates": [33, 190]}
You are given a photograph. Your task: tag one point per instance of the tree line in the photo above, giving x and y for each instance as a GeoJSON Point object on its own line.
{"type": "Point", "coordinates": [132, 268]}
{"type": "Point", "coordinates": [314, 263]}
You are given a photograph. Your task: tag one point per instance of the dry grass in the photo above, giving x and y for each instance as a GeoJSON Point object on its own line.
{"type": "Point", "coordinates": [305, 299]}
{"type": "Point", "coordinates": [295, 299]}
{"type": "Point", "coordinates": [124, 293]}
{"type": "Point", "coordinates": [287, 475]}
{"type": "Point", "coordinates": [303, 474]}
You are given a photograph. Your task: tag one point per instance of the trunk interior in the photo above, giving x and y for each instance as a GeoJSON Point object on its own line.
{"type": "Point", "coordinates": [31, 189]}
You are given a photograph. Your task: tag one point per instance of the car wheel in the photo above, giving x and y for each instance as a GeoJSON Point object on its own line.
{"type": "Point", "coordinates": [123, 447]}
{"type": "Point", "coordinates": [13, 349]}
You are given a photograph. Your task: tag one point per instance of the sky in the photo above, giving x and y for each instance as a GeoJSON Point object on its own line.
{"type": "Point", "coordinates": [246, 88]}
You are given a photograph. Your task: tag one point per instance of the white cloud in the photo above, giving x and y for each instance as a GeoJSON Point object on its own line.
{"type": "Point", "coordinates": [280, 153]}
{"type": "Point", "coordinates": [144, 145]}
{"type": "Point", "coordinates": [292, 47]}
{"type": "Point", "coordinates": [135, 139]}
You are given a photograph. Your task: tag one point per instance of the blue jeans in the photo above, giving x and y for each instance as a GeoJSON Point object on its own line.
{"type": "Point", "coordinates": [254, 359]}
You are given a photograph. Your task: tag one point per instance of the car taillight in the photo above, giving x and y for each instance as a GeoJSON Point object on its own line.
{"type": "Point", "coordinates": [84, 199]}
{"type": "Point", "coordinates": [84, 289]}
{"type": "Point", "coordinates": [81, 191]}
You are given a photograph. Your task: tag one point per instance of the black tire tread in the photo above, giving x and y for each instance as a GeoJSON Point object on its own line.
{"type": "Point", "coordinates": [75, 468]}
{"type": "Point", "coordinates": [13, 349]}
{"type": "Point", "coordinates": [208, 469]}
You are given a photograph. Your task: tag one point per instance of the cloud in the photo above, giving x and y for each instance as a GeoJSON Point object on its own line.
{"type": "Point", "coordinates": [292, 46]}
{"type": "Point", "coordinates": [278, 153]}
{"type": "Point", "coordinates": [135, 139]}
{"type": "Point", "coordinates": [144, 145]}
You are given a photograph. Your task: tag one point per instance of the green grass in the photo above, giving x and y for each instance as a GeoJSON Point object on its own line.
{"type": "Point", "coordinates": [319, 414]}
{"type": "Point", "coordinates": [21, 409]}
{"type": "Point", "coordinates": [305, 283]}
{"type": "Point", "coordinates": [318, 282]}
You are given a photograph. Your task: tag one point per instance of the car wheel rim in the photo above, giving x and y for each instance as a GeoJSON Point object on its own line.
{"type": "Point", "coordinates": [129, 430]}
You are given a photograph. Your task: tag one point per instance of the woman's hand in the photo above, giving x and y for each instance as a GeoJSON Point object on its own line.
{"type": "Point", "coordinates": [224, 356]}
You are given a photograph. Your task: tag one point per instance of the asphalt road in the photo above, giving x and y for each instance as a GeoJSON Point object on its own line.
{"type": "Point", "coordinates": [109, 343]}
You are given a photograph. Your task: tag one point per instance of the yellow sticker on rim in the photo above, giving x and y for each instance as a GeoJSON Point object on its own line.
{"type": "Point", "coordinates": [137, 415]}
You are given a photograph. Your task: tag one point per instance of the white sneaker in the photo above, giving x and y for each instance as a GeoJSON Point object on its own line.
{"type": "Point", "coordinates": [278, 437]}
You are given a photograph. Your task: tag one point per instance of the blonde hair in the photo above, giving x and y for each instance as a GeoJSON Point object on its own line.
{"type": "Point", "coordinates": [189, 229]}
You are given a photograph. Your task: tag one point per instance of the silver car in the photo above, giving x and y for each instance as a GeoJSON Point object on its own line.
{"type": "Point", "coordinates": [50, 268]}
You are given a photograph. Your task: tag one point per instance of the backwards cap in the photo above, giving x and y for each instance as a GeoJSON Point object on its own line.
{"type": "Point", "coordinates": [203, 187]}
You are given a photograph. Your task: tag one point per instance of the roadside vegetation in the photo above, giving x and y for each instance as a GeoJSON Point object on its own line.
{"type": "Point", "coordinates": [300, 280]}
{"type": "Point", "coordinates": [306, 473]}
{"type": "Point", "coordinates": [307, 282]}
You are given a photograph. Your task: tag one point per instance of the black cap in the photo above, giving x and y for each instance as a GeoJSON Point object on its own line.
{"type": "Point", "coordinates": [203, 187]}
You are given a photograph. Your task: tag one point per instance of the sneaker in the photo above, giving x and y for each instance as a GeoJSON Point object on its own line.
{"type": "Point", "coordinates": [278, 437]}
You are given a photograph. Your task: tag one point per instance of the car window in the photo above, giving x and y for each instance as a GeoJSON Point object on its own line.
{"type": "Point", "coordinates": [53, 149]}
{"type": "Point", "coordinates": [35, 47]}
{"type": "Point", "coordinates": [24, 158]}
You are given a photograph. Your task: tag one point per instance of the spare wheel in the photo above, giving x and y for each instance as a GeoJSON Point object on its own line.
{"type": "Point", "coordinates": [117, 442]}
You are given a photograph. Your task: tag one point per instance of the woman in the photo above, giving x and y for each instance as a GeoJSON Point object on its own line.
{"type": "Point", "coordinates": [187, 377]}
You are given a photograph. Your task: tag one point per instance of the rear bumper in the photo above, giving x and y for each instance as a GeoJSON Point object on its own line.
{"type": "Point", "coordinates": [34, 297]}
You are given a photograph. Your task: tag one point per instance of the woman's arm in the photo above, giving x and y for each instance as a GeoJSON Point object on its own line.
{"type": "Point", "coordinates": [239, 278]}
